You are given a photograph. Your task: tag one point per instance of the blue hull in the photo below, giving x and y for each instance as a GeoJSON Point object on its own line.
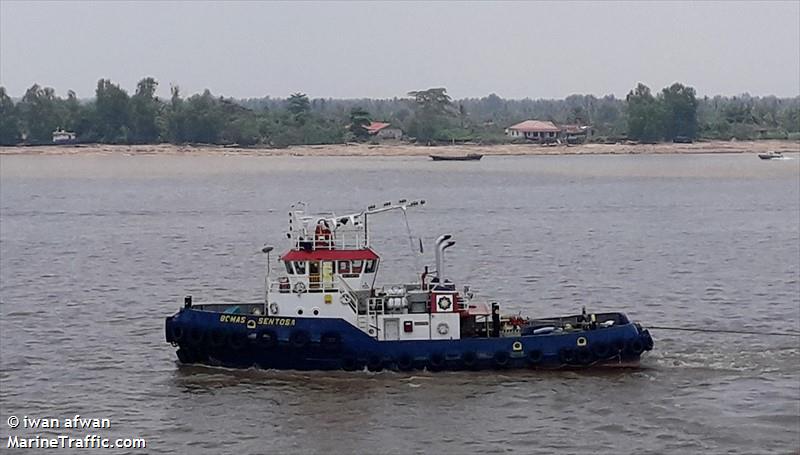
{"type": "Point", "coordinates": [239, 341]}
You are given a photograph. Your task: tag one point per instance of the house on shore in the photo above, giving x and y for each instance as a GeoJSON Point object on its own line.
{"type": "Point", "coordinates": [63, 137]}
{"type": "Point", "coordinates": [576, 134]}
{"type": "Point", "coordinates": [383, 131]}
{"type": "Point", "coordinates": [536, 130]}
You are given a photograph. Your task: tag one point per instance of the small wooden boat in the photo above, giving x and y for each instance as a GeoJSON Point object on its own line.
{"type": "Point", "coordinates": [771, 155]}
{"type": "Point", "coordinates": [467, 157]}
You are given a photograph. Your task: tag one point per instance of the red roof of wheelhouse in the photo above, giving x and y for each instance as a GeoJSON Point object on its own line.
{"type": "Point", "coordinates": [329, 255]}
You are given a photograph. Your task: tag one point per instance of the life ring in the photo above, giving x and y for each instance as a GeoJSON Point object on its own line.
{"type": "Point", "coordinates": [194, 336]}
{"type": "Point", "coordinates": [331, 341]}
{"type": "Point", "coordinates": [442, 328]}
{"type": "Point", "coordinates": [273, 308]}
{"type": "Point", "coordinates": [374, 363]}
{"type": "Point", "coordinates": [501, 359]}
{"type": "Point", "coordinates": [516, 346]}
{"type": "Point", "coordinates": [535, 357]}
{"type": "Point", "coordinates": [566, 355]}
{"type": "Point", "coordinates": [584, 356]}
{"type": "Point", "coordinates": [635, 346]}
{"type": "Point", "coordinates": [176, 332]}
{"type": "Point", "coordinates": [601, 350]}
{"type": "Point", "coordinates": [436, 362]}
{"type": "Point", "coordinates": [236, 340]}
{"type": "Point", "coordinates": [581, 342]}
{"type": "Point", "coordinates": [444, 303]}
{"type": "Point", "coordinates": [299, 287]}
{"type": "Point", "coordinates": [217, 338]}
{"type": "Point", "coordinates": [299, 339]}
{"type": "Point", "coordinates": [405, 362]}
{"type": "Point", "coordinates": [267, 338]}
{"type": "Point", "coordinates": [469, 359]}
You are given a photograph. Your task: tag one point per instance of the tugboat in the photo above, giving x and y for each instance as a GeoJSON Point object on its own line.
{"type": "Point", "coordinates": [325, 312]}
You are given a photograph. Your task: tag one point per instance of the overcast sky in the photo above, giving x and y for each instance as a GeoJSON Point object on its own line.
{"type": "Point", "coordinates": [384, 49]}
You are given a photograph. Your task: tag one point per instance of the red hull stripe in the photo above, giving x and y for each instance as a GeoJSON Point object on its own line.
{"type": "Point", "coordinates": [332, 255]}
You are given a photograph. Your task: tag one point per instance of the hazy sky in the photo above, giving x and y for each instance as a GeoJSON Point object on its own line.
{"type": "Point", "coordinates": [385, 49]}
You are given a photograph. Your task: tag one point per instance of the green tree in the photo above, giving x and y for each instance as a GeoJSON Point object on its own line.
{"type": "Point", "coordinates": [39, 112]}
{"type": "Point", "coordinates": [299, 106]}
{"type": "Point", "coordinates": [644, 115]}
{"type": "Point", "coordinates": [359, 121]}
{"type": "Point", "coordinates": [144, 112]}
{"type": "Point", "coordinates": [433, 110]}
{"type": "Point", "coordinates": [175, 119]}
{"type": "Point", "coordinates": [111, 106]}
{"type": "Point", "coordinates": [9, 121]}
{"type": "Point", "coordinates": [679, 107]}
{"type": "Point", "coordinates": [202, 119]}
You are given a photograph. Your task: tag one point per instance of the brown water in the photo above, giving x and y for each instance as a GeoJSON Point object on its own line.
{"type": "Point", "coordinates": [95, 251]}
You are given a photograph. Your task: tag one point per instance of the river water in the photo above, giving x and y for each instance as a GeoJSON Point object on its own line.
{"type": "Point", "coordinates": [97, 250]}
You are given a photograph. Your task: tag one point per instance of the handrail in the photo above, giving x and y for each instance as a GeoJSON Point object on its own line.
{"type": "Point", "coordinates": [350, 292]}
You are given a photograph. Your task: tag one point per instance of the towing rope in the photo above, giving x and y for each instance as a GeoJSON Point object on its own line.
{"type": "Point", "coordinates": [739, 332]}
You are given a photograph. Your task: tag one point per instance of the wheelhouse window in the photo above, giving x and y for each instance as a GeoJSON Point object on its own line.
{"type": "Point", "coordinates": [300, 267]}
{"type": "Point", "coordinates": [289, 267]}
{"type": "Point", "coordinates": [357, 267]}
{"type": "Point", "coordinates": [369, 266]}
{"type": "Point", "coordinates": [344, 267]}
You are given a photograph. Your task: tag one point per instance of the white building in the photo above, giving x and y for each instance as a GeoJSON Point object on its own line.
{"type": "Point", "coordinates": [536, 130]}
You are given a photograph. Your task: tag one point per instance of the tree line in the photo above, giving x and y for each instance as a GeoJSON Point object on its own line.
{"type": "Point", "coordinates": [116, 117]}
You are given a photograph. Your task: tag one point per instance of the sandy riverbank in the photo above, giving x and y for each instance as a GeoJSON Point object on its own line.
{"type": "Point", "coordinates": [413, 150]}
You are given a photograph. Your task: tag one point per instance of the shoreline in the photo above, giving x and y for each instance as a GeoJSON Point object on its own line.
{"type": "Point", "coordinates": [401, 149]}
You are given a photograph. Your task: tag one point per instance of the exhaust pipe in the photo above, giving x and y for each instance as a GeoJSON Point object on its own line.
{"type": "Point", "coordinates": [438, 249]}
{"type": "Point", "coordinates": [444, 247]}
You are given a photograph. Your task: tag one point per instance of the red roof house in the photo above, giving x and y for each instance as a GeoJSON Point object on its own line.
{"type": "Point", "coordinates": [533, 129]}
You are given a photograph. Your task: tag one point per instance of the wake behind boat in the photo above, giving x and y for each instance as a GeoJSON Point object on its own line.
{"type": "Point", "coordinates": [467, 157]}
{"type": "Point", "coordinates": [325, 312]}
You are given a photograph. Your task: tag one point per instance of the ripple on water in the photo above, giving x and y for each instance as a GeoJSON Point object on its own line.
{"type": "Point", "coordinates": [90, 266]}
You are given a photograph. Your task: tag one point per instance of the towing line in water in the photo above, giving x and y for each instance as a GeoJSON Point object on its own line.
{"type": "Point", "coordinates": [737, 332]}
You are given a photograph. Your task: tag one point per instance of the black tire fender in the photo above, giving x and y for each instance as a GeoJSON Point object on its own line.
{"type": "Point", "coordinates": [566, 355]}
{"type": "Point", "coordinates": [267, 338]}
{"type": "Point", "coordinates": [501, 359]}
{"type": "Point", "coordinates": [436, 362]}
{"type": "Point", "coordinates": [299, 339]}
{"type": "Point", "coordinates": [601, 350]}
{"type": "Point", "coordinates": [635, 346]}
{"type": "Point", "coordinates": [374, 362]}
{"type": "Point", "coordinates": [176, 332]}
{"type": "Point", "coordinates": [535, 357]}
{"type": "Point", "coordinates": [469, 359]}
{"type": "Point", "coordinates": [584, 356]}
{"type": "Point", "coordinates": [405, 362]}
